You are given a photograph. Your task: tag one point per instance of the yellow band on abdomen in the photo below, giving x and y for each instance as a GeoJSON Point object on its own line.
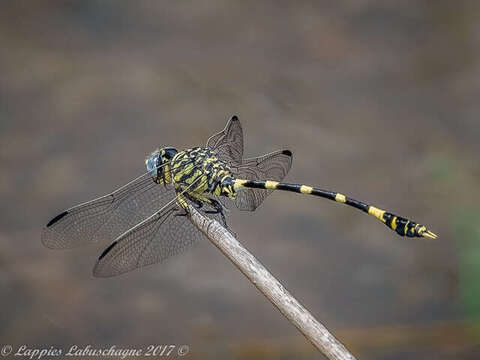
{"type": "Point", "coordinates": [304, 189]}
{"type": "Point", "coordinates": [271, 184]}
{"type": "Point", "coordinates": [393, 225]}
{"type": "Point", "coordinates": [239, 183]}
{"type": "Point", "coordinates": [378, 213]}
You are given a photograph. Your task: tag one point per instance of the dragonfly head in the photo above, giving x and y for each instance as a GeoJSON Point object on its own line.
{"type": "Point", "coordinates": [157, 164]}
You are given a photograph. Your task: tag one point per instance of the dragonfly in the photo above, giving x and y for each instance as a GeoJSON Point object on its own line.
{"type": "Point", "coordinates": [146, 220]}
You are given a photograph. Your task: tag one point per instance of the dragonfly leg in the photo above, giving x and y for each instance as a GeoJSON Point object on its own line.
{"type": "Point", "coordinates": [183, 212]}
{"type": "Point", "coordinates": [183, 205]}
{"type": "Point", "coordinates": [196, 201]}
{"type": "Point", "coordinates": [217, 209]}
{"type": "Point", "coordinates": [201, 200]}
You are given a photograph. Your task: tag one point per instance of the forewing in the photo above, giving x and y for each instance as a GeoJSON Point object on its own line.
{"type": "Point", "coordinates": [229, 142]}
{"type": "Point", "coordinates": [273, 166]}
{"type": "Point", "coordinates": [166, 233]}
{"type": "Point", "coordinates": [107, 217]}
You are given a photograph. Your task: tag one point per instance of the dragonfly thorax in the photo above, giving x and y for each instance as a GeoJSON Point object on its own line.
{"type": "Point", "coordinates": [199, 170]}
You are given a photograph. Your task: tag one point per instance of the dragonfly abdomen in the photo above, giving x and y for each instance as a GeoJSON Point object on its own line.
{"type": "Point", "coordinates": [401, 225]}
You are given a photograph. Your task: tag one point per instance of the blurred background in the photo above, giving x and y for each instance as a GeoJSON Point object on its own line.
{"type": "Point", "coordinates": [378, 100]}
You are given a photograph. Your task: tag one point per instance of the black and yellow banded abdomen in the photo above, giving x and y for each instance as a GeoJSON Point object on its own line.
{"type": "Point", "coordinates": [405, 227]}
{"type": "Point", "coordinates": [400, 225]}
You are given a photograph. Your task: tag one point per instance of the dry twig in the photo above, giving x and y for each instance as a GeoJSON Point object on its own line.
{"type": "Point", "coordinates": [315, 332]}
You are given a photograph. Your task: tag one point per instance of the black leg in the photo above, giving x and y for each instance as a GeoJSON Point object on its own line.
{"type": "Point", "coordinates": [197, 202]}
{"type": "Point", "coordinates": [182, 212]}
{"type": "Point", "coordinates": [218, 209]}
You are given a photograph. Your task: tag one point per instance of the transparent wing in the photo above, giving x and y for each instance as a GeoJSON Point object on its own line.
{"type": "Point", "coordinates": [166, 233]}
{"type": "Point", "coordinates": [229, 142]}
{"type": "Point", "coordinates": [273, 166]}
{"type": "Point", "coordinates": [108, 216]}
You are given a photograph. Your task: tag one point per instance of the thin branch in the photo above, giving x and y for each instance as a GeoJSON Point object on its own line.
{"type": "Point", "coordinates": [315, 332]}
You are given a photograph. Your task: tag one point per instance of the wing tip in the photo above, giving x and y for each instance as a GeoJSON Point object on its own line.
{"type": "Point", "coordinates": [98, 273]}
{"type": "Point", "coordinates": [46, 241]}
{"type": "Point", "coordinates": [98, 269]}
{"type": "Point", "coordinates": [57, 218]}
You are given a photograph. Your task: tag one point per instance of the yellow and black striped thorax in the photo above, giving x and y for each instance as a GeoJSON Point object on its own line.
{"type": "Point", "coordinates": [201, 167]}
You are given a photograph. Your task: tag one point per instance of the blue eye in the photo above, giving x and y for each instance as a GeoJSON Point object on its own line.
{"type": "Point", "coordinates": [152, 163]}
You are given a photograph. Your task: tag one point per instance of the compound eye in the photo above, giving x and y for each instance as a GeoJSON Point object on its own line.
{"type": "Point", "coordinates": [152, 163]}
{"type": "Point", "coordinates": [170, 152]}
